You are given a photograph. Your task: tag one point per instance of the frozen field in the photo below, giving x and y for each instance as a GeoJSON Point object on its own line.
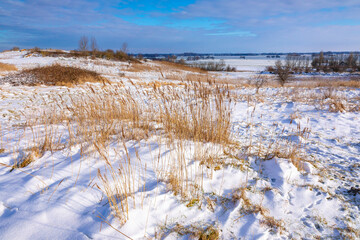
{"type": "Point", "coordinates": [161, 152]}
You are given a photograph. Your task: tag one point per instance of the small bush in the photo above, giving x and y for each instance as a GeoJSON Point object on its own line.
{"type": "Point", "coordinates": [54, 75]}
{"type": "Point", "coordinates": [283, 72]}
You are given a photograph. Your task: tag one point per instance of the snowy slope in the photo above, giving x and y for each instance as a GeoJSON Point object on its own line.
{"type": "Point", "coordinates": [292, 170]}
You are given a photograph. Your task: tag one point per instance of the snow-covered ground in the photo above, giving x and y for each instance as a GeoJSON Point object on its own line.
{"type": "Point", "coordinates": [291, 170]}
{"type": "Point", "coordinates": [245, 67]}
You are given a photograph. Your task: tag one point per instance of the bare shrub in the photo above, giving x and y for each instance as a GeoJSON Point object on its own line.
{"type": "Point", "coordinates": [283, 72]}
{"type": "Point", "coordinates": [258, 81]}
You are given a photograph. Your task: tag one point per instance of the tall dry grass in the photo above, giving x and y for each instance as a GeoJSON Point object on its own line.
{"type": "Point", "coordinates": [173, 67]}
{"type": "Point", "coordinates": [191, 115]}
{"type": "Point", "coordinates": [194, 111]}
{"type": "Point", "coordinates": [120, 181]}
{"type": "Point", "coordinates": [7, 67]}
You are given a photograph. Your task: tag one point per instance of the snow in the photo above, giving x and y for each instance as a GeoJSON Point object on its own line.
{"type": "Point", "coordinates": [58, 195]}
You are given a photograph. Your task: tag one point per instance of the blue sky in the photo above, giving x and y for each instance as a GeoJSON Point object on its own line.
{"type": "Point", "coordinates": [183, 26]}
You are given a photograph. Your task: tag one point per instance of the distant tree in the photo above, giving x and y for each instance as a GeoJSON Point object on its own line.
{"type": "Point", "coordinates": [351, 62]}
{"type": "Point", "coordinates": [140, 56]}
{"type": "Point", "coordinates": [182, 62]}
{"type": "Point", "coordinates": [84, 44]}
{"type": "Point", "coordinates": [171, 58]}
{"type": "Point", "coordinates": [321, 57]}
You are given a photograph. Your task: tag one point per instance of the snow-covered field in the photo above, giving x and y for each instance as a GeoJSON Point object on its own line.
{"type": "Point", "coordinates": [289, 167]}
{"type": "Point", "coordinates": [245, 67]}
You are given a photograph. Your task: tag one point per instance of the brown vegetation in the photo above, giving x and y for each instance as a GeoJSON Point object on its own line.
{"type": "Point", "coordinates": [54, 75]}
{"type": "Point", "coordinates": [139, 67]}
{"type": "Point", "coordinates": [171, 66]}
{"type": "Point", "coordinates": [7, 67]}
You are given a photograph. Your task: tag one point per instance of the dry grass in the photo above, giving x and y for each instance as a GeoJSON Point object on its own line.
{"type": "Point", "coordinates": [315, 82]}
{"type": "Point", "coordinates": [105, 63]}
{"type": "Point", "coordinates": [174, 76]}
{"type": "Point", "coordinates": [195, 77]}
{"type": "Point", "coordinates": [182, 176]}
{"type": "Point", "coordinates": [249, 208]}
{"type": "Point", "coordinates": [274, 224]}
{"type": "Point", "coordinates": [193, 231]}
{"type": "Point", "coordinates": [267, 81]}
{"type": "Point", "coordinates": [55, 75]}
{"type": "Point", "coordinates": [158, 84]}
{"type": "Point", "coordinates": [140, 67]}
{"type": "Point", "coordinates": [26, 160]}
{"type": "Point", "coordinates": [198, 113]}
{"type": "Point", "coordinates": [120, 186]}
{"type": "Point", "coordinates": [332, 96]}
{"type": "Point", "coordinates": [170, 66]}
{"type": "Point", "coordinates": [42, 139]}
{"type": "Point", "coordinates": [230, 83]}
{"type": "Point", "coordinates": [7, 67]}
{"type": "Point", "coordinates": [332, 100]}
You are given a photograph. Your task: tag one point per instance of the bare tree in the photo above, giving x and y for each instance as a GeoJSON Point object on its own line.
{"type": "Point", "coordinates": [93, 45]}
{"type": "Point", "coordinates": [83, 44]}
{"type": "Point", "coordinates": [124, 47]}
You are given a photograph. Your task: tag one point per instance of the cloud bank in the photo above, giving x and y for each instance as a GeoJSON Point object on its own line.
{"type": "Point", "coordinates": [189, 25]}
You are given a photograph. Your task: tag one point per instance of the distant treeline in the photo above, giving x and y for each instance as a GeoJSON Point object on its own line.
{"type": "Point", "coordinates": [109, 54]}
{"type": "Point", "coordinates": [204, 65]}
{"type": "Point", "coordinates": [206, 55]}
{"type": "Point", "coordinates": [213, 66]}
{"type": "Point", "coordinates": [319, 63]}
